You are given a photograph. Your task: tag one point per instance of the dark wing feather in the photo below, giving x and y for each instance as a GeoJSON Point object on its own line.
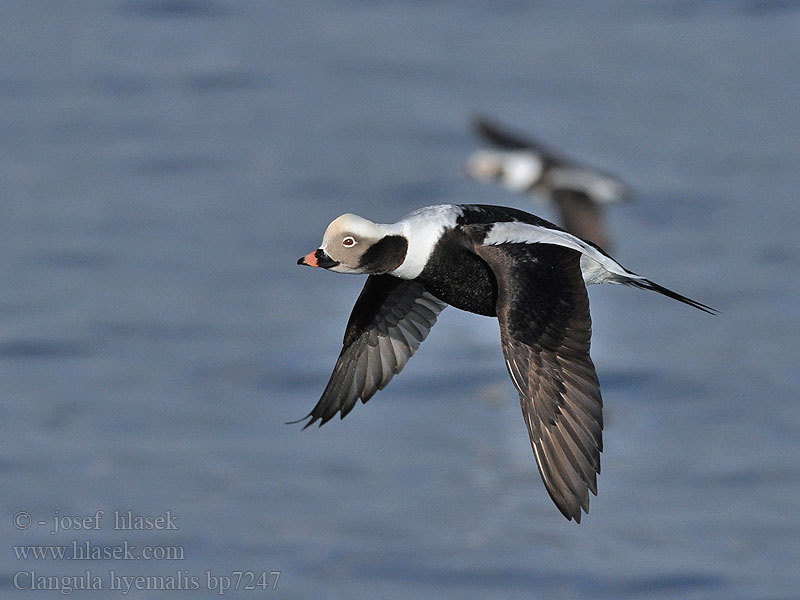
{"type": "Point", "coordinates": [390, 319]}
{"type": "Point", "coordinates": [581, 216]}
{"type": "Point", "coordinates": [545, 329]}
{"type": "Point", "coordinates": [507, 140]}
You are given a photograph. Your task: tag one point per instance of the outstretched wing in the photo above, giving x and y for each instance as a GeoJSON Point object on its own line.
{"type": "Point", "coordinates": [581, 216]}
{"type": "Point", "coordinates": [545, 328]}
{"type": "Point", "coordinates": [507, 140]}
{"type": "Point", "coordinates": [390, 319]}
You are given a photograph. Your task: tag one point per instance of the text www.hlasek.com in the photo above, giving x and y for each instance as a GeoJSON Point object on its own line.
{"type": "Point", "coordinates": [86, 550]}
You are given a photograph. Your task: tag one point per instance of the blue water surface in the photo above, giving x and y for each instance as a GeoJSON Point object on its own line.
{"type": "Point", "coordinates": [163, 164]}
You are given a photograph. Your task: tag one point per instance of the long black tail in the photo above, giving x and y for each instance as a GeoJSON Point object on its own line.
{"type": "Point", "coordinates": [646, 284]}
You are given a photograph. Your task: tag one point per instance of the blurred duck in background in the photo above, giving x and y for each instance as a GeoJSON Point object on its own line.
{"type": "Point", "coordinates": [522, 164]}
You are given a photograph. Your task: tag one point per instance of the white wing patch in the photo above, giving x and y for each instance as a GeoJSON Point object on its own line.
{"type": "Point", "coordinates": [596, 267]}
{"type": "Point", "coordinates": [599, 187]}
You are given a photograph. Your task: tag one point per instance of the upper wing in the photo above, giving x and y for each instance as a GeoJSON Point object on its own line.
{"type": "Point", "coordinates": [545, 328]}
{"type": "Point", "coordinates": [390, 319]}
{"type": "Point", "coordinates": [507, 140]}
{"type": "Point", "coordinates": [582, 216]}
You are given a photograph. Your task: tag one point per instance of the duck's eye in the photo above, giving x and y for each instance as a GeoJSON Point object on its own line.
{"type": "Point", "coordinates": [349, 241]}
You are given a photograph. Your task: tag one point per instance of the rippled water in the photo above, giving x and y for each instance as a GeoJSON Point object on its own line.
{"type": "Point", "coordinates": [163, 163]}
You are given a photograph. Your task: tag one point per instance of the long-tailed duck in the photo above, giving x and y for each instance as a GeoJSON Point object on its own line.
{"type": "Point", "coordinates": [524, 165]}
{"type": "Point", "coordinates": [493, 261]}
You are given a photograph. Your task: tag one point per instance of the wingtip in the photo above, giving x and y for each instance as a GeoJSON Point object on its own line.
{"type": "Point", "coordinates": [484, 127]}
{"type": "Point", "coordinates": [479, 121]}
{"type": "Point", "coordinates": [572, 515]}
{"type": "Point", "coordinates": [312, 418]}
{"type": "Point", "coordinates": [300, 420]}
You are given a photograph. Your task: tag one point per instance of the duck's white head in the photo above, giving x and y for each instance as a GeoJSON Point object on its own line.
{"type": "Point", "coordinates": [353, 244]}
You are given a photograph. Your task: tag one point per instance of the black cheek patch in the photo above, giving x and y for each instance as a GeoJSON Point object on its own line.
{"type": "Point", "coordinates": [385, 255]}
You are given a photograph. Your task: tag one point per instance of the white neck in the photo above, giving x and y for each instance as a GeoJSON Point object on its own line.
{"type": "Point", "coordinates": [422, 228]}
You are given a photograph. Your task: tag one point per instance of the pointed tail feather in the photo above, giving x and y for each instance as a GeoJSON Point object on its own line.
{"type": "Point", "coordinates": [646, 284]}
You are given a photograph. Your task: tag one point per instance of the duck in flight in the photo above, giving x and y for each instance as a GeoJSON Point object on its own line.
{"type": "Point", "coordinates": [524, 165]}
{"type": "Point", "coordinates": [498, 262]}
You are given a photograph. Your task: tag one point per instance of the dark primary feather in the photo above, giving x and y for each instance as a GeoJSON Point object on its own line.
{"type": "Point", "coordinates": [543, 309]}
{"type": "Point", "coordinates": [390, 319]}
